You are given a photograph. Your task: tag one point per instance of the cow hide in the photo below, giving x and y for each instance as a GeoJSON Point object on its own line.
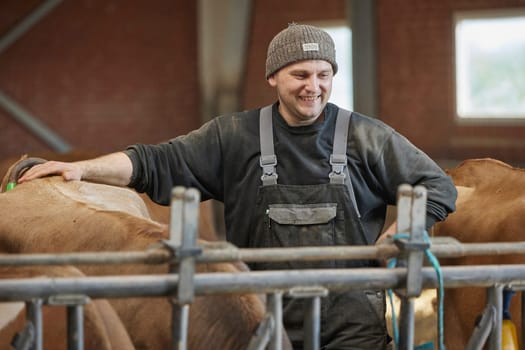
{"type": "Point", "coordinates": [50, 215]}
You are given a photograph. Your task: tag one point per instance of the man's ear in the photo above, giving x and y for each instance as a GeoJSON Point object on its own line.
{"type": "Point", "coordinates": [271, 80]}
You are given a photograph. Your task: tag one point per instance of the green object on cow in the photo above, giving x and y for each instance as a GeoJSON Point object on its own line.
{"type": "Point", "coordinates": [10, 186]}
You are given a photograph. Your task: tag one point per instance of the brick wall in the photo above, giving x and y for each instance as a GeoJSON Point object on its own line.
{"type": "Point", "coordinates": [416, 81]}
{"type": "Point", "coordinates": [101, 74]}
{"type": "Point", "coordinates": [105, 74]}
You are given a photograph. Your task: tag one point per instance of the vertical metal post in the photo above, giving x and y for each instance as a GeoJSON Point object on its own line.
{"type": "Point", "coordinates": [362, 15]}
{"type": "Point", "coordinates": [274, 305]}
{"type": "Point", "coordinates": [406, 321]}
{"type": "Point", "coordinates": [34, 314]}
{"type": "Point", "coordinates": [188, 247]}
{"type": "Point", "coordinates": [183, 238]}
{"type": "Point", "coordinates": [176, 224]}
{"type": "Point", "coordinates": [263, 334]}
{"type": "Point", "coordinates": [180, 317]}
{"type": "Point", "coordinates": [483, 329]}
{"type": "Point", "coordinates": [411, 219]}
{"type": "Point", "coordinates": [75, 327]}
{"type": "Point", "coordinates": [176, 215]}
{"type": "Point", "coordinates": [312, 313]}
{"type": "Point", "coordinates": [495, 297]}
{"type": "Point", "coordinates": [404, 204]}
{"type": "Point", "coordinates": [75, 317]}
{"type": "Point", "coordinates": [417, 229]}
{"type": "Point", "coordinates": [312, 323]}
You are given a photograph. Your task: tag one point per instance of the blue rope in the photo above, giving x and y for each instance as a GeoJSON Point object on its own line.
{"type": "Point", "coordinates": [392, 263]}
{"type": "Point", "coordinates": [441, 295]}
{"type": "Point", "coordinates": [425, 346]}
{"type": "Point", "coordinates": [441, 292]}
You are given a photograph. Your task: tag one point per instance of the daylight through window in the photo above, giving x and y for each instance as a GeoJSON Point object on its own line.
{"type": "Point", "coordinates": [490, 65]}
{"type": "Point", "coordinates": [342, 89]}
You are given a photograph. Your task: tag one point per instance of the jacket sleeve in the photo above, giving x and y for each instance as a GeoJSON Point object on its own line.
{"type": "Point", "coordinates": [400, 162]}
{"type": "Point", "coordinates": [192, 160]}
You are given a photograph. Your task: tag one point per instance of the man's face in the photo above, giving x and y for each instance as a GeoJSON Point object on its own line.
{"type": "Point", "coordinates": [303, 89]}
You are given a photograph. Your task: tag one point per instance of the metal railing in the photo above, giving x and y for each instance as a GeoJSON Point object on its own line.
{"type": "Point", "coordinates": [182, 284]}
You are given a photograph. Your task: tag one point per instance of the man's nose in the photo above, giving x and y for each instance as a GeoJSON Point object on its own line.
{"type": "Point", "coordinates": [312, 83]}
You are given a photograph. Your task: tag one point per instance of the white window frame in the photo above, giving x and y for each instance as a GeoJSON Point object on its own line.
{"type": "Point", "coordinates": [481, 118]}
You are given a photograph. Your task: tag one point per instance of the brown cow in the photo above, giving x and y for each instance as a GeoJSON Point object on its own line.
{"type": "Point", "coordinates": [103, 329]}
{"type": "Point", "coordinates": [159, 213]}
{"type": "Point", "coordinates": [490, 208]}
{"type": "Point", "coordinates": [51, 215]}
{"type": "Point", "coordinates": [425, 325]}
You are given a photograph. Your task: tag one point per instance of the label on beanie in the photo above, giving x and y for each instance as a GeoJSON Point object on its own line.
{"type": "Point", "coordinates": [311, 47]}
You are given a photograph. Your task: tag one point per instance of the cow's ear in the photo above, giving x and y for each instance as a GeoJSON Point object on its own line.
{"type": "Point", "coordinates": [16, 170]}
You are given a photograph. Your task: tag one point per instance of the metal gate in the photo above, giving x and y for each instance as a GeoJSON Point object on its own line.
{"type": "Point", "coordinates": [409, 277]}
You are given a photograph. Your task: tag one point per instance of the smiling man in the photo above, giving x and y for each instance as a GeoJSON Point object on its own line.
{"type": "Point", "coordinates": [300, 172]}
{"type": "Point", "coordinates": [303, 89]}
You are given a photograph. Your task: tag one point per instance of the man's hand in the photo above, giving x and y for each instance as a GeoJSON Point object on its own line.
{"type": "Point", "coordinates": [111, 169]}
{"type": "Point", "coordinates": [389, 232]}
{"type": "Point", "coordinates": [386, 252]}
{"type": "Point", "coordinates": [69, 171]}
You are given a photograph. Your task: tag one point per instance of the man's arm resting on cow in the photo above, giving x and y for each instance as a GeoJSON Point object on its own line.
{"type": "Point", "coordinates": [112, 169]}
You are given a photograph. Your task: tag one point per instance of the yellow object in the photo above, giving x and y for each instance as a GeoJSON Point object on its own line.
{"type": "Point", "coordinates": [509, 340]}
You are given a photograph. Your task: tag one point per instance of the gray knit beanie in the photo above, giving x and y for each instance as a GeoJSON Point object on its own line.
{"type": "Point", "coordinates": [299, 42]}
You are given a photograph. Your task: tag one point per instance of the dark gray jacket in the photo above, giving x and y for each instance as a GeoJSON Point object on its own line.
{"type": "Point", "coordinates": [221, 159]}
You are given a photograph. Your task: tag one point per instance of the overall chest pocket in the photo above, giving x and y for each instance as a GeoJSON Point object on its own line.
{"type": "Point", "coordinates": [296, 225]}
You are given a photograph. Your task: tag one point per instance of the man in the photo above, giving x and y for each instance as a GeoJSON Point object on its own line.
{"type": "Point", "coordinates": [301, 172]}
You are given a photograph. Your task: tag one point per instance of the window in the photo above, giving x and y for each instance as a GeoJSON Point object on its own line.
{"type": "Point", "coordinates": [490, 65]}
{"type": "Point", "coordinates": [342, 88]}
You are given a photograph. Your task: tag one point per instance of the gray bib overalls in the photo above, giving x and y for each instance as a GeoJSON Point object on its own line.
{"type": "Point", "coordinates": [318, 215]}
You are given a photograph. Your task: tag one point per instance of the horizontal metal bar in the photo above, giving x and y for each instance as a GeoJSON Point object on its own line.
{"type": "Point", "coordinates": [160, 256]}
{"type": "Point", "coordinates": [256, 281]}
{"type": "Point", "coordinates": [383, 251]}
{"type": "Point", "coordinates": [299, 253]}
{"type": "Point", "coordinates": [157, 256]}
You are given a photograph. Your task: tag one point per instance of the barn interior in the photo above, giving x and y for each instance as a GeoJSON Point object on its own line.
{"type": "Point", "coordinates": [88, 77]}
{"type": "Point", "coordinates": [93, 76]}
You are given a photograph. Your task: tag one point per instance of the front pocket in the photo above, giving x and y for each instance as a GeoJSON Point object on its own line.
{"type": "Point", "coordinates": [302, 225]}
{"type": "Point", "coordinates": [306, 214]}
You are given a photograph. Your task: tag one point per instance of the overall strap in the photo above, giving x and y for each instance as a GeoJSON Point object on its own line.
{"type": "Point", "coordinates": [268, 160]}
{"type": "Point", "coordinates": [338, 158]}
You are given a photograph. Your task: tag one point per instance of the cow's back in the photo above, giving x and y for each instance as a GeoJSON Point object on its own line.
{"type": "Point", "coordinates": [490, 208]}
{"type": "Point", "coordinates": [43, 217]}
